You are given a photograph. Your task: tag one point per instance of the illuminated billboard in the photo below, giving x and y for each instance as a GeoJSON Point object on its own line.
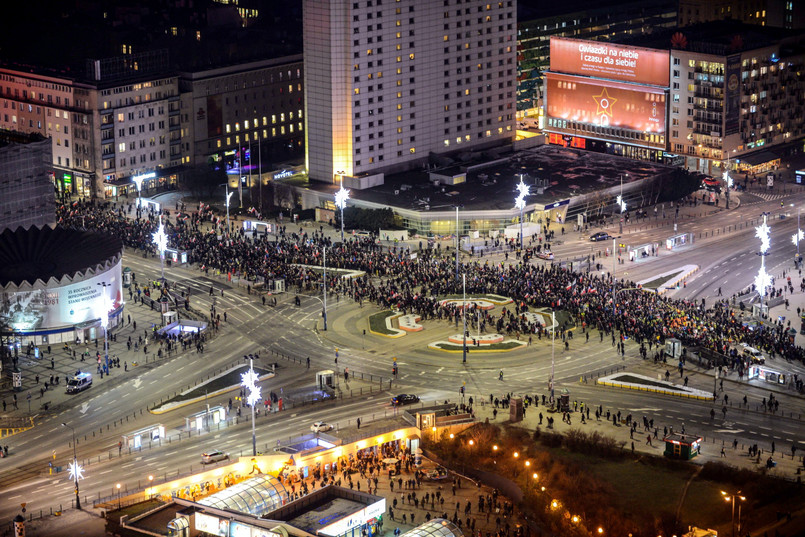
{"type": "Point", "coordinates": [611, 105]}
{"type": "Point", "coordinates": [58, 306]}
{"type": "Point", "coordinates": [608, 60]}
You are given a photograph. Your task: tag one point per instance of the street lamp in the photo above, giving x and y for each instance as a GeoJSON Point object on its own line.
{"type": "Point", "coordinates": [730, 498]}
{"type": "Point", "coordinates": [106, 305]}
{"type": "Point", "coordinates": [799, 235]}
{"type": "Point", "coordinates": [553, 354]}
{"type": "Point", "coordinates": [763, 279]}
{"type": "Point", "coordinates": [324, 284]}
{"type": "Point", "coordinates": [76, 471]}
{"type": "Point", "coordinates": [138, 182]}
{"type": "Point", "coordinates": [118, 496]}
{"type": "Point", "coordinates": [160, 239]}
{"type": "Point", "coordinates": [519, 203]}
{"type": "Point", "coordinates": [621, 202]}
{"type": "Point", "coordinates": [228, 195]}
{"type": "Point", "coordinates": [464, 315]}
{"type": "Point", "coordinates": [341, 198]}
{"type": "Point", "coordinates": [249, 381]}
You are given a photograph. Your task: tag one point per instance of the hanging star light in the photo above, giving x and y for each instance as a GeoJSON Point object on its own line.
{"type": "Point", "coordinates": [76, 471]}
{"type": "Point", "coordinates": [762, 280]}
{"type": "Point", "coordinates": [160, 239]}
{"type": "Point", "coordinates": [105, 305]}
{"type": "Point", "coordinates": [798, 236]}
{"type": "Point", "coordinates": [341, 198]}
{"type": "Point", "coordinates": [621, 203]}
{"type": "Point", "coordinates": [728, 179]}
{"type": "Point", "coordinates": [249, 381]}
{"type": "Point", "coordinates": [523, 188]}
{"type": "Point", "coordinates": [762, 232]}
{"type": "Point", "coordinates": [519, 203]}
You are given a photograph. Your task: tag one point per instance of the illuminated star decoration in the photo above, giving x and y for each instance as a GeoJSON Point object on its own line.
{"type": "Point", "coordinates": [762, 233]}
{"type": "Point", "coordinates": [523, 189]}
{"type": "Point", "coordinates": [76, 471]}
{"type": "Point", "coordinates": [728, 179]}
{"type": "Point", "coordinates": [604, 102]}
{"type": "Point", "coordinates": [341, 198]}
{"type": "Point", "coordinates": [160, 239]}
{"type": "Point", "coordinates": [762, 280]}
{"type": "Point", "coordinates": [798, 236]}
{"type": "Point", "coordinates": [106, 305]}
{"type": "Point", "coordinates": [621, 203]}
{"type": "Point", "coordinates": [249, 381]}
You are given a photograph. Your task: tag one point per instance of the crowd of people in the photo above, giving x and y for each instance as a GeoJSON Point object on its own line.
{"type": "Point", "coordinates": [396, 278]}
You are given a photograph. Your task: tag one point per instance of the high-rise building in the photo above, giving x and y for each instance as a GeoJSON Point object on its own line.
{"type": "Point", "coordinates": [780, 13]}
{"type": "Point", "coordinates": [26, 189]}
{"type": "Point", "coordinates": [389, 82]}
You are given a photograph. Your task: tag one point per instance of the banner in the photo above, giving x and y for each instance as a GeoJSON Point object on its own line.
{"type": "Point", "coordinates": [732, 95]}
{"type": "Point", "coordinates": [56, 307]}
{"type": "Point", "coordinates": [608, 60]}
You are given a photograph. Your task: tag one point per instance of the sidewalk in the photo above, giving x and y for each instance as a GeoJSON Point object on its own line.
{"type": "Point", "coordinates": [711, 450]}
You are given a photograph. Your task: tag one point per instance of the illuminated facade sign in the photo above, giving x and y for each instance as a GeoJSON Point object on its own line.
{"type": "Point", "coordinates": [355, 520]}
{"type": "Point", "coordinates": [608, 60]}
{"type": "Point", "coordinates": [605, 110]}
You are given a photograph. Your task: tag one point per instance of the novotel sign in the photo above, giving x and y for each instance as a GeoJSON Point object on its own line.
{"type": "Point", "coordinates": [284, 174]}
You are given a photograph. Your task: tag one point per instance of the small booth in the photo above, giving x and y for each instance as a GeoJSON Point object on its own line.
{"type": "Point", "coordinates": [127, 279]}
{"type": "Point", "coordinates": [564, 400]}
{"type": "Point", "coordinates": [255, 227]}
{"type": "Point", "coordinates": [206, 418]}
{"type": "Point", "coordinates": [765, 374]}
{"type": "Point", "coordinates": [644, 250]}
{"type": "Point", "coordinates": [152, 433]}
{"type": "Point", "coordinates": [682, 446]}
{"type": "Point", "coordinates": [673, 348]}
{"type": "Point", "coordinates": [325, 379]}
{"type": "Point", "coordinates": [176, 257]}
{"type": "Point", "coordinates": [276, 286]}
{"type": "Point", "coordinates": [148, 205]}
{"type": "Point", "coordinates": [678, 240]}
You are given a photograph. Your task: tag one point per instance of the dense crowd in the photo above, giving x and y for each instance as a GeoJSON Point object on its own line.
{"type": "Point", "coordinates": [414, 281]}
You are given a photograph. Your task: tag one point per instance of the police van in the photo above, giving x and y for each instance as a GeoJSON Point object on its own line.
{"type": "Point", "coordinates": [79, 382]}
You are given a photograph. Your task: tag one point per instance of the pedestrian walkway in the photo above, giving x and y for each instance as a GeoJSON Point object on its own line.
{"type": "Point", "coordinates": [638, 436]}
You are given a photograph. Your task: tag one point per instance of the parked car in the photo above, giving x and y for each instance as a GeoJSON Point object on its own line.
{"type": "Point", "coordinates": [213, 456]}
{"type": "Point", "coordinates": [404, 399]}
{"type": "Point", "coordinates": [600, 236]}
{"type": "Point", "coordinates": [320, 427]}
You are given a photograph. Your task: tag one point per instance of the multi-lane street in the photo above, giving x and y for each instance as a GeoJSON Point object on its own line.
{"type": "Point", "coordinates": [100, 416]}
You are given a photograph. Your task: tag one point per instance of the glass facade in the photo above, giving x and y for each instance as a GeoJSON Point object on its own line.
{"type": "Point", "coordinates": [438, 527]}
{"type": "Point", "coordinates": [255, 496]}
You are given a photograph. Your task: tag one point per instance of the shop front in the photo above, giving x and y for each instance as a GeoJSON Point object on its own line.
{"type": "Point", "coordinates": [152, 182]}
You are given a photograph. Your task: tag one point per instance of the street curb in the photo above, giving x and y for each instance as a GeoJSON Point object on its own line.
{"type": "Point", "coordinates": [653, 390]}
{"type": "Point", "coordinates": [397, 333]}
{"type": "Point", "coordinates": [473, 349]}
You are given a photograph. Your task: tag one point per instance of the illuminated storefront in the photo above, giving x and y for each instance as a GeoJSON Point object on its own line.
{"type": "Point", "coordinates": [152, 182]}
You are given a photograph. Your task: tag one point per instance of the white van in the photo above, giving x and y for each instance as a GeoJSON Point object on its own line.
{"type": "Point", "coordinates": [752, 355]}
{"type": "Point", "coordinates": [79, 383]}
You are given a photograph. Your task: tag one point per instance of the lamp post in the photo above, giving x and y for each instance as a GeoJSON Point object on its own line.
{"type": "Point", "coordinates": [249, 381]}
{"type": "Point", "coordinates": [730, 498]}
{"type": "Point", "coordinates": [799, 235]}
{"type": "Point", "coordinates": [138, 182]}
{"type": "Point", "coordinates": [464, 315]}
{"type": "Point", "coordinates": [519, 203]}
{"type": "Point", "coordinates": [105, 307]}
{"type": "Point", "coordinates": [324, 285]}
{"type": "Point", "coordinates": [160, 239]}
{"type": "Point", "coordinates": [621, 203]}
{"type": "Point", "coordinates": [341, 198]}
{"type": "Point", "coordinates": [76, 471]}
{"type": "Point", "coordinates": [118, 496]}
{"type": "Point", "coordinates": [457, 243]}
{"type": "Point", "coordinates": [228, 195]}
{"type": "Point", "coordinates": [553, 354]}
{"type": "Point", "coordinates": [763, 279]}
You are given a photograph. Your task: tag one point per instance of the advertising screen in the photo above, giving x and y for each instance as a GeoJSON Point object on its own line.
{"type": "Point", "coordinates": [608, 60]}
{"type": "Point", "coordinates": [606, 104]}
{"type": "Point", "coordinates": [60, 306]}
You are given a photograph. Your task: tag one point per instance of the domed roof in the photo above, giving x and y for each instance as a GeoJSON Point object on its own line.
{"type": "Point", "coordinates": [28, 255]}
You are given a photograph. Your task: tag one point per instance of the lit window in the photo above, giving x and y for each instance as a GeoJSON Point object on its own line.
{"type": "Point", "coordinates": [413, 149]}
{"type": "Point", "coordinates": [121, 148]}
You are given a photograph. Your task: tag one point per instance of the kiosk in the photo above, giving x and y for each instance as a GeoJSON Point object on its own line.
{"type": "Point", "coordinates": [206, 418]}
{"type": "Point", "coordinates": [678, 240]}
{"type": "Point", "coordinates": [682, 446]}
{"type": "Point", "coordinates": [151, 433]}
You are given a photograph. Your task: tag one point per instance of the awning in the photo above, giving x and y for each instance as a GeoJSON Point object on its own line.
{"type": "Point", "coordinates": [119, 182]}
{"type": "Point", "coordinates": [761, 157]}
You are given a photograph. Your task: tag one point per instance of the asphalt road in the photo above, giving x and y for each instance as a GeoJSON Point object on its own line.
{"type": "Point", "coordinates": [727, 260]}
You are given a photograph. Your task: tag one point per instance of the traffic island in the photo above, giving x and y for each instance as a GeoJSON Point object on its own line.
{"type": "Point", "coordinates": [492, 343]}
{"type": "Point", "coordinates": [632, 381]}
{"type": "Point", "coordinates": [225, 382]}
{"type": "Point", "coordinates": [380, 324]}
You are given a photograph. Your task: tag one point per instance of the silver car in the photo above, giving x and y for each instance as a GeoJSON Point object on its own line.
{"type": "Point", "coordinates": [213, 456]}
